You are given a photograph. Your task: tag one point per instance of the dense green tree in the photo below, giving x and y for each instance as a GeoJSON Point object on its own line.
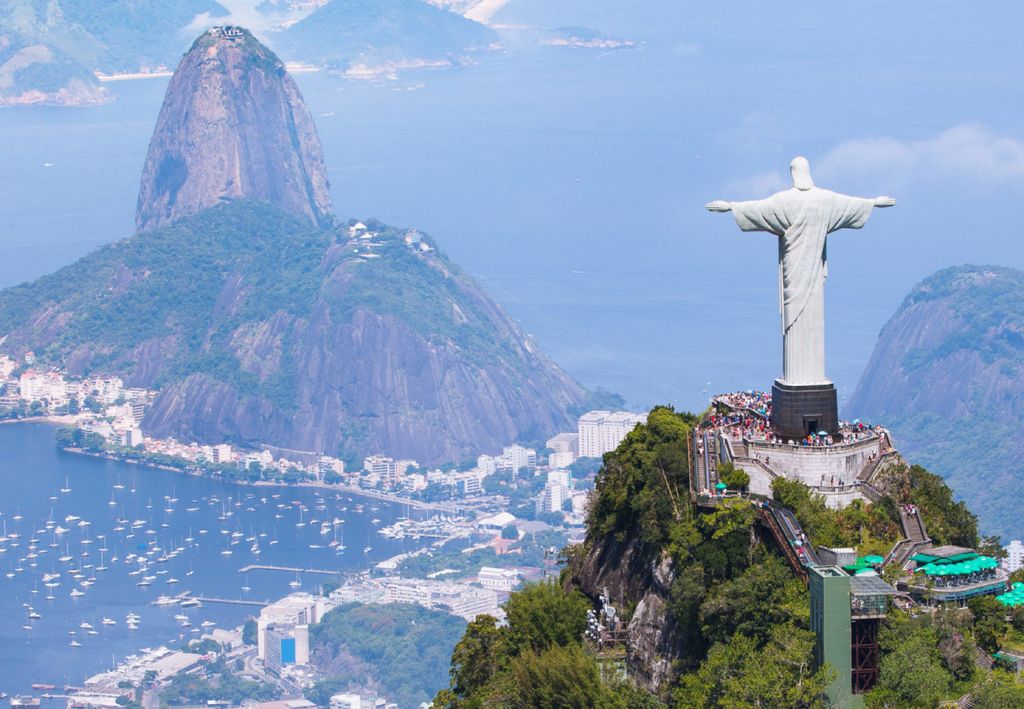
{"type": "Point", "coordinates": [642, 490]}
{"type": "Point", "coordinates": [989, 622]}
{"type": "Point", "coordinates": [763, 596]}
{"type": "Point", "coordinates": [560, 678]}
{"type": "Point", "coordinates": [1000, 690]}
{"type": "Point", "coordinates": [542, 615]}
{"type": "Point", "coordinates": [481, 653]}
{"type": "Point", "coordinates": [249, 632]}
{"type": "Point", "coordinates": [735, 478]}
{"type": "Point", "coordinates": [911, 673]}
{"type": "Point", "coordinates": [739, 674]}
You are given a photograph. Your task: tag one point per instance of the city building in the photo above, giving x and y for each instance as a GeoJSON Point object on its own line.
{"type": "Point", "coordinates": [285, 644]}
{"type": "Point", "coordinates": [486, 464]}
{"type": "Point", "coordinates": [552, 498]}
{"type": "Point", "coordinates": [286, 616]}
{"type": "Point", "coordinates": [37, 386]}
{"type": "Point", "coordinates": [346, 701]}
{"type": "Point", "coordinates": [1014, 556]}
{"type": "Point", "coordinates": [515, 458]}
{"type": "Point", "coordinates": [222, 453]}
{"type": "Point", "coordinates": [562, 477]}
{"type": "Point", "coordinates": [601, 432]}
{"type": "Point", "coordinates": [383, 467]}
{"type": "Point", "coordinates": [132, 437]}
{"type": "Point", "coordinates": [498, 579]}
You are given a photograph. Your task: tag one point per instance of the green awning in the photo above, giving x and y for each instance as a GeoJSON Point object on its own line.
{"type": "Point", "coordinates": [721, 486]}
{"type": "Point", "coordinates": [874, 559]}
{"type": "Point", "coordinates": [923, 558]}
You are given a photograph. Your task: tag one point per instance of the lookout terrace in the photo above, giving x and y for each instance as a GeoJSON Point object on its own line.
{"type": "Point", "coordinates": [837, 465]}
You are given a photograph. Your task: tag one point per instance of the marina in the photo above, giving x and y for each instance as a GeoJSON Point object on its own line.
{"type": "Point", "coordinates": [88, 583]}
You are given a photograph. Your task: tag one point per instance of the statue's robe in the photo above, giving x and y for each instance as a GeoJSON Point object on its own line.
{"type": "Point", "coordinates": [802, 219]}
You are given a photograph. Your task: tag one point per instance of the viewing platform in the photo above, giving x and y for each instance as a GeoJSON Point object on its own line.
{"type": "Point", "coordinates": [839, 466]}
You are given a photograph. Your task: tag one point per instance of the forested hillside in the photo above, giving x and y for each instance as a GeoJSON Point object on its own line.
{"type": "Point", "coordinates": [714, 616]}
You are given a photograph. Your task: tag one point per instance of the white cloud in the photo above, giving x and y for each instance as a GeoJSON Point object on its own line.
{"type": "Point", "coordinates": [964, 156]}
{"type": "Point", "coordinates": [965, 153]}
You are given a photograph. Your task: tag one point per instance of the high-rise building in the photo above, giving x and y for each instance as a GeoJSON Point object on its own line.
{"type": "Point", "coordinates": [552, 497]}
{"type": "Point", "coordinates": [601, 432]}
{"type": "Point", "coordinates": [516, 457]}
{"type": "Point", "coordinates": [1014, 555]}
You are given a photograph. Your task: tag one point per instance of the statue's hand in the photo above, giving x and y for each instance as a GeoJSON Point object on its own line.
{"type": "Point", "coordinates": [884, 201]}
{"type": "Point", "coordinates": [718, 206]}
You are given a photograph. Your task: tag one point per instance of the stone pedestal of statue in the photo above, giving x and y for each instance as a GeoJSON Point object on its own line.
{"type": "Point", "coordinates": [800, 410]}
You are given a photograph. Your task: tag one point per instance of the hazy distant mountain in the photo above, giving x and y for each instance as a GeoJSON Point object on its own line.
{"type": "Point", "coordinates": [40, 74]}
{"type": "Point", "coordinates": [49, 49]}
{"type": "Point", "coordinates": [347, 32]}
{"type": "Point", "coordinates": [261, 326]}
{"type": "Point", "coordinates": [233, 126]}
{"type": "Point", "coordinates": [947, 375]}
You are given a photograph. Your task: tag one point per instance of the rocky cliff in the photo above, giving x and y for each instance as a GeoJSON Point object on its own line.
{"type": "Point", "coordinates": [947, 376]}
{"type": "Point", "coordinates": [233, 126]}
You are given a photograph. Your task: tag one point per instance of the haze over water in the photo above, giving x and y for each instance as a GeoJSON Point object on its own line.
{"type": "Point", "coordinates": [34, 472]}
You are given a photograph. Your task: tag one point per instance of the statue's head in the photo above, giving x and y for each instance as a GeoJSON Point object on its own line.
{"type": "Point", "coordinates": [800, 169]}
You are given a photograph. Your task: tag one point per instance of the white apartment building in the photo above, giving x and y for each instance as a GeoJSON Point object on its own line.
{"type": "Point", "coordinates": [387, 468]}
{"type": "Point", "coordinates": [601, 432]}
{"type": "Point", "coordinates": [346, 701]}
{"type": "Point", "coordinates": [565, 443]}
{"type": "Point", "coordinates": [35, 386]}
{"type": "Point", "coordinates": [552, 497]}
{"type": "Point", "coordinates": [515, 457]}
{"type": "Point", "coordinates": [222, 453]}
{"type": "Point", "coordinates": [486, 464]}
{"type": "Point", "coordinates": [1014, 555]}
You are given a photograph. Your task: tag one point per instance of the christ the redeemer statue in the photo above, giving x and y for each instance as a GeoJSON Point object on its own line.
{"type": "Point", "coordinates": [802, 218]}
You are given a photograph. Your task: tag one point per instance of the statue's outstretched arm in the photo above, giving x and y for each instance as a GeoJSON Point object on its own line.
{"type": "Point", "coordinates": [718, 205]}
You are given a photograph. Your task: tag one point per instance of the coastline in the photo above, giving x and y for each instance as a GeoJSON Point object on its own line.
{"type": "Point", "coordinates": [348, 489]}
{"type": "Point", "coordinates": [131, 76]}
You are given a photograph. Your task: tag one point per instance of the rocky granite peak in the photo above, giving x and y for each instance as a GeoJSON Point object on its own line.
{"type": "Point", "coordinates": [947, 376]}
{"type": "Point", "coordinates": [233, 126]}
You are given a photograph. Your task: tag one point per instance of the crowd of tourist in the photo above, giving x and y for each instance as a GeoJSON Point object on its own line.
{"type": "Point", "coordinates": [747, 415]}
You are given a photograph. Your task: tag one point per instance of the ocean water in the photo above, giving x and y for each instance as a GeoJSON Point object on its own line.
{"type": "Point", "coordinates": [173, 510]}
{"type": "Point", "coordinates": [571, 182]}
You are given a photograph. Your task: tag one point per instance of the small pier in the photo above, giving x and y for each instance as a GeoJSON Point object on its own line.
{"type": "Point", "coordinates": [231, 601]}
{"type": "Point", "coordinates": [289, 569]}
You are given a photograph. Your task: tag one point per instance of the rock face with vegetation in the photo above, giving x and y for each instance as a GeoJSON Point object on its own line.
{"type": "Point", "coordinates": [344, 33]}
{"type": "Point", "coordinates": [947, 376]}
{"type": "Point", "coordinates": [258, 327]}
{"type": "Point", "coordinates": [233, 126]}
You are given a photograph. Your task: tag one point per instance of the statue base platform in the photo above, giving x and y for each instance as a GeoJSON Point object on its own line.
{"type": "Point", "coordinates": [801, 410]}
